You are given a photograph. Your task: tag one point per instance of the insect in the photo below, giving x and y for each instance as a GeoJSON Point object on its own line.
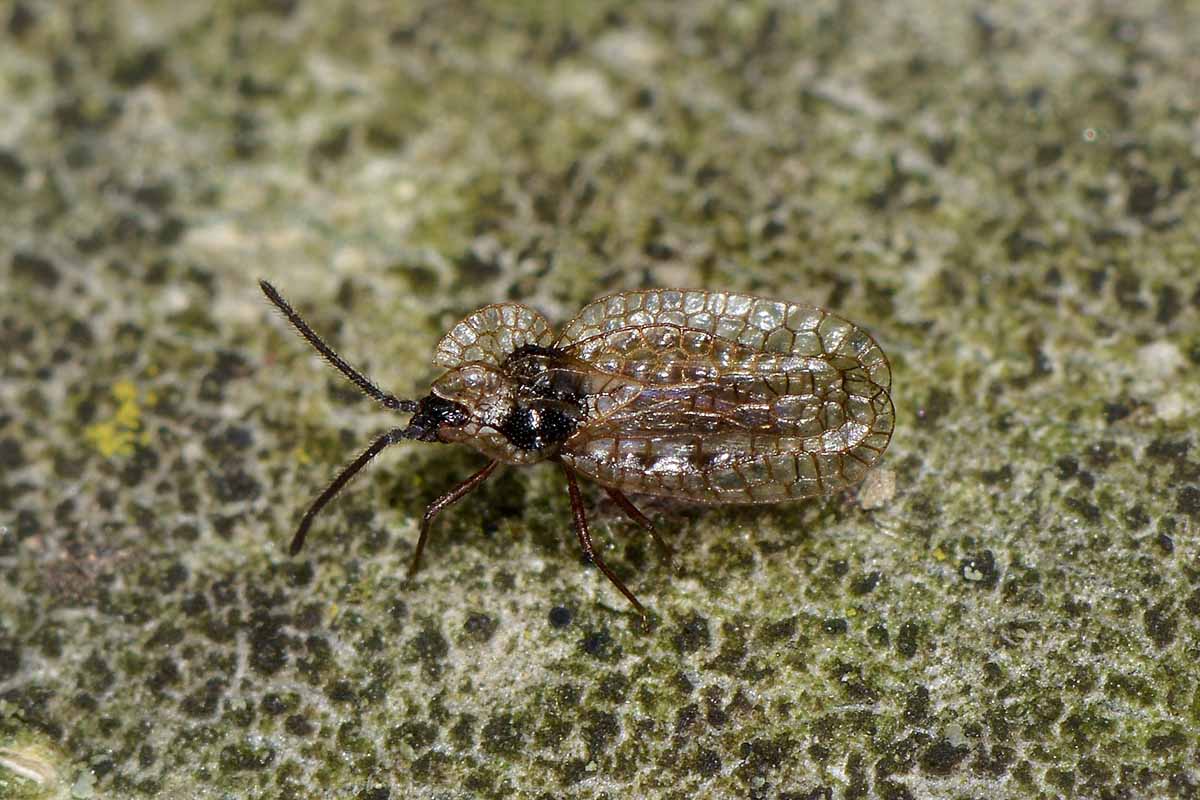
{"type": "Point", "coordinates": [707, 397]}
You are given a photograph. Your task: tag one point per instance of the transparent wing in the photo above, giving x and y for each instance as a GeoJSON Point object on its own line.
{"type": "Point", "coordinates": [687, 449]}
{"type": "Point", "coordinates": [761, 324]}
{"type": "Point", "coordinates": [491, 333]}
{"type": "Point", "coordinates": [742, 401]}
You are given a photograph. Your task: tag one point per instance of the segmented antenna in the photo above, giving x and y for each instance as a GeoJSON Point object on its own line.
{"type": "Point", "coordinates": [361, 381]}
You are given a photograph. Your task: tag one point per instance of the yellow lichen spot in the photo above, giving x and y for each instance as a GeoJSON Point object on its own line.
{"type": "Point", "coordinates": [117, 435]}
{"type": "Point", "coordinates": [301, 455]}
{"type": "Point", "coordinates": [939, 554]}
{"type": "Point", "coordinates": [124, 390]}
{"type": "Point", "coordinates": [105, 437]}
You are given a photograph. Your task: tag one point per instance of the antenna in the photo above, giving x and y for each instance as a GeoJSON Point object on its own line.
{"type": "Point", "coordinates": [357, 378]}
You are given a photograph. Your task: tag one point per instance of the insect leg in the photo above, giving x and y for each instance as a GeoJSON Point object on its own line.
{"type": "Point", "coordinates": [637, 516]}
{"type": "Point", "coordinates": [335, 486]}
{"type": "Point", "coordinates": [585, 541]}
{"type": "Point", "coordinates": [442, 503]}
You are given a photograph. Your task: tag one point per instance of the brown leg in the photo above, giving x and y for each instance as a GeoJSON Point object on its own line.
{"type": "Point", "coordinates": [585, 541]}
{"type": "Point", "coordinates": [631, 510]}
{"type": "Point", "coordinates": [442, 503]}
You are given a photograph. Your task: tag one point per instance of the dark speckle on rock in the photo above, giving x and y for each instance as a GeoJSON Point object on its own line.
{"type": "Point", "coordinates": [1068, 467]}
{"type": "Point", "coordinates": [298, 725]}
{"type": "Point", "coordinates": [908, 639]}
{"type": "Point", "coordinates": [144, 462]}
{"type": "Point", "coordinates": [598, 644]}
{"type": "Point", "coordinates": [691, 634]}
{"type": "Point", "coordinates": [138, 67]}
{"type": "Point", "coordinates": [228, 366]}
{"type": "Point", "coordinates": [21, 19]}
{"type": "Point", "coordinates": [10, 662]}
{"type": "Point", "coordinates": [878, 636]}
{"type": "Point", "coordinates": [245, 756]}
{"type": "Point", "coordinates": [232, 439]}
{"type": "Point", "coordinates": [235, 485]}
{"type": "Point", "coordinates": [760, 756]}
{"type": "Point", "coordinates": [341, 691]}
{"type": "Point", "coordinates": [600, 730]}
{"type": "Point", "coordinates": [780, 630]}
{"type": "Point", "coordinates": [429, 647]}
{"type": "Point", "coordinates": [35, 268]}
{"type": "Point", "coordinates": [1161, 624]}
{"type": "Point", "coordinates": [916, 705]}
{"type": "Point", "coordinates": [1143, 195]}
{"type": "Point", "coordinates": [503, 735]}
{"type": "Point", "coordinates": [268, 643]}
{"type": "Point", "coordinates": [1168, 304]}
{"type": "Point", "coordinates": [12, 168]}
{"type": "Point", "coordinates": [203, 701]}
{"type": "Point", "coordinates": [942, 757]}
{"type": "Point", "coordinates": [11, 456]}
{"type": "Point", "coordinates": [1115, 412]}
{"type": "Point", "coordinates": [480, 627]}
{"type": "Point", "coordinates": [1188, 502]}
{"type": "Point", "coordinates": [998, 477]}
{"type": "Point", "coordinates": [165, 673]}
{"type": "Point", "coordinates": [706, 762]}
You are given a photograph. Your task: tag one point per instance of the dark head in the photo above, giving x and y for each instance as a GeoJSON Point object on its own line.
{"type": "Point", "coordinates": [433, 414]}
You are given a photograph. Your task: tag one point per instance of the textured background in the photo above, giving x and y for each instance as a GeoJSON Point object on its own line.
{"type": "Point", "coordinates": [1004, 193]}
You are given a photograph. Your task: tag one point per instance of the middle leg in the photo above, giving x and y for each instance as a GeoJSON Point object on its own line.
{"type": "Point", "coordinates": [441, 504]}
{"type": "Point", "coordinates": [585, 541]}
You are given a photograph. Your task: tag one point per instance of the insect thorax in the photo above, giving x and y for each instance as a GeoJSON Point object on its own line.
{"type": "Point", "coordinates": [519, 412]}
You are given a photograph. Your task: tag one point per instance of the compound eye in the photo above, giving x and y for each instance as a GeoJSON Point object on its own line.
{"type": "Point", "coordinates": [448, 412]}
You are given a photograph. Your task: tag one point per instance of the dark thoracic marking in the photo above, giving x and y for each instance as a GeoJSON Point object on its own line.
{"type": "Point", "coordinates": [545, 373]}
{"type": "Point", "coordinates": [530, 363]}
{"type": "Point", "coordinates": [534, 428]}
{"type": "Point", "coordinates": [552, 398]}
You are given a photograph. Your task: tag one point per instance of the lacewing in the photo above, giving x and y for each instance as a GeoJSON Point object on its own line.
{"type": "Point", "coordinates": [706, 397]}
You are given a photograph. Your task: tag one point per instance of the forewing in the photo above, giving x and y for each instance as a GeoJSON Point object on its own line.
{"type": "Point", "coordinates": [491, 334]}
{"type": "Point", "coordinates": [743, 400]}
{"type": "Point", "coordinates": [683, 448]}
{"type": "Point", "coordinates": [771, 326]}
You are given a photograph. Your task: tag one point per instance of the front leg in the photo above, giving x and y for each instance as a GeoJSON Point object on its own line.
{"type": "Point", "coordinates": [442, 503]}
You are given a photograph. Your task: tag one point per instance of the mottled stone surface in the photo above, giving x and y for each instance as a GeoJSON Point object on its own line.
{"type": "Point", "coordinates": [1004, 193]}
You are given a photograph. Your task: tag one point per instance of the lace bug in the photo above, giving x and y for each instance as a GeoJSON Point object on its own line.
{"type": "Point", "coordinates": [706, 397]}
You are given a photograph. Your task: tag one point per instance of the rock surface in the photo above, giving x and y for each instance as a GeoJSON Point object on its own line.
{"type": "Point", "coordinates": [1004, 193]}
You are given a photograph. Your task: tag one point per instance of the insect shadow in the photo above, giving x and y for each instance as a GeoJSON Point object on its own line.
{"type": "Point", "coordinates": [701, 397]}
